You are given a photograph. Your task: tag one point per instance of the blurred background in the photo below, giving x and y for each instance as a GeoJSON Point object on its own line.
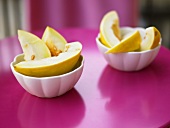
{"type": "Point", "coordinates": [34, 15]}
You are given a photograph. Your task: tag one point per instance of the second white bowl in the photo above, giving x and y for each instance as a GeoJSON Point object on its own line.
{"type": "Point", "coordinates": [129, 61]}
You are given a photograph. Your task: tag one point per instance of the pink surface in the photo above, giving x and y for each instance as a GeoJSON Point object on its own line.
{"type": "Point", "coordinates": [78, 13]}
{"type": "Point", "coordinates": [102, 98]}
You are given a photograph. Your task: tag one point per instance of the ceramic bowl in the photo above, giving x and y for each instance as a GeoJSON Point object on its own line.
{"type": "Point", "coordinates": [129, 61]}
{"type": "Point", "coordinates": [48, 87]}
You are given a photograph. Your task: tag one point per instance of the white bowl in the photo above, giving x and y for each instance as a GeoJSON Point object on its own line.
{"type": "Point", "coordinates": [48, 86]}
{"type": "Point", "coordinates": [129, 61]}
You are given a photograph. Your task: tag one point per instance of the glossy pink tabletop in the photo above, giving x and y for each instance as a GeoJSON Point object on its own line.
{"type": "Point", "coordinates": [102, 98]}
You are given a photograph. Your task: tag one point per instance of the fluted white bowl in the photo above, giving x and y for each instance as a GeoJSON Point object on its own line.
{"type": "Point", "coordinates": [48, 87]}
{"type": "Point", "coordinates": [129, 61]}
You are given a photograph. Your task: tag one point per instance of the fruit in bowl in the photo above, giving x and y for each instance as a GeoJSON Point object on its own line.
{"type": "Point", "coordinates": [49, 66]}
{"type": "Point", "coordinates": [52, 86]}
{"type": "Point", "coordinates": [127, 48]}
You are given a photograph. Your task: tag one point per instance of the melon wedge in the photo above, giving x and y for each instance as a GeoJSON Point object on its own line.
{"type": "Point", "coordinates": [52, 66]}
{"type": "Point", "coordinates": [130, 42]}
{"type": "Point", "coordinates": [151, 39]}
{"type": "Point", "coordinates": [54, 41]}
{"type": "Point", "coordinates": [33, 47]}
{"type": "Point", "coordinates": [110, 30]}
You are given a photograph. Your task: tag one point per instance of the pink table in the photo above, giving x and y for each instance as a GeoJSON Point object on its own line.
{"type": "Point", "coordinates": [102, 98]}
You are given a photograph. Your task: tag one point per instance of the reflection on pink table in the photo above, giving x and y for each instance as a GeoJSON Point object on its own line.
{"type": "Point", "coordinates": [46, 113]}
{"type": "Point", "coordinates": [136, 97]}
{"type": "Point", "coordinates": [102, 98]}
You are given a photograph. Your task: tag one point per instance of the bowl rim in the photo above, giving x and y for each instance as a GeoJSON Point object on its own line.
{"type": "Point", "coordinates": [133, 52]}
{"type": "Point", "coordinates": [48, 77]}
